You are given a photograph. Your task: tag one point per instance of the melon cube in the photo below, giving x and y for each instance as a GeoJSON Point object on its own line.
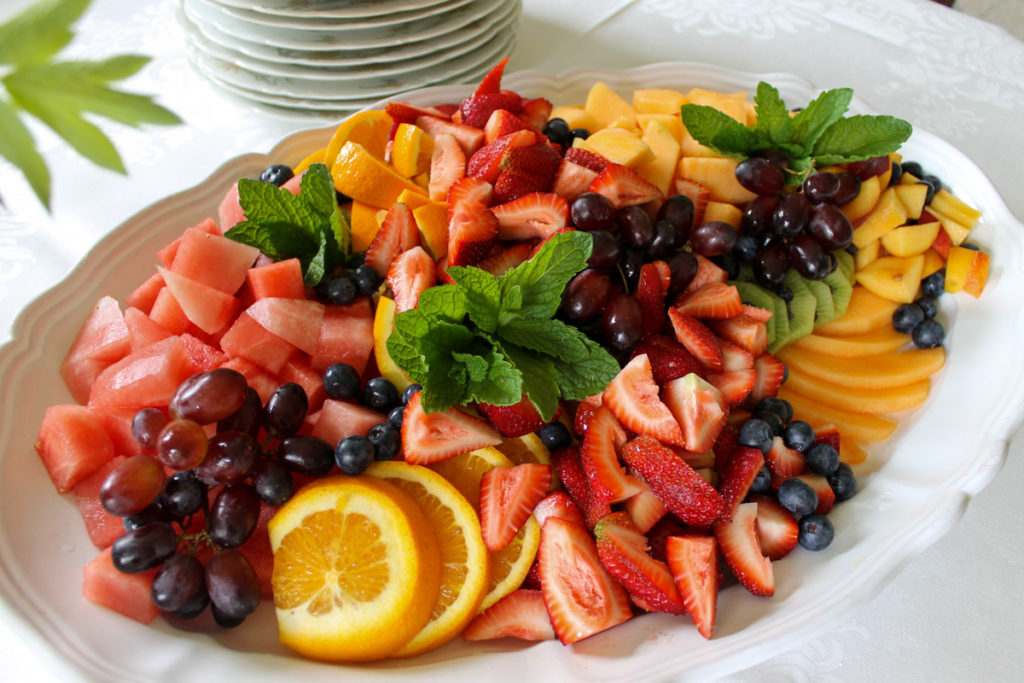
{"type": "Point", "coordinates": [298, 371]}
{"type": "Point", "coordinates": [147, 377]}
{"type": "Point", "coordinates": [208, 308]}
{"type": "Point", "coordinates": [72, 444]}
{"type": "Point", "coordinates": [102, 340]}
{"type": "Point", "coordinates": [280, 279]}
{"type": "Point", "coordinates": [346, 336]}
{"type": "Point", "coordinates": [167, 312]}
{"type": "Point", "coordinates": [201, 356]}
{"type": "Point", "coordinates": [213, 260]}
{"type": "Point", "coordinates": [297, 321]}
{"type": "Point", "coordinates": [103, 527]}
{"type": "Point", "coordinates": [247, 339]}
{"type": "Point", "coordinates": [256, 377]}
{"type": "Point", "coordinates": [142, 330]}
{"type": "Point", "coordinates": [168, 253]}
{"type": "Point", "coordinates": [145, 294]}
{"type": "Point", "coordinates": [229, 211]}
{"type": "Point", "coordinates": [339, 419]}
{"type": "Point", "coordinates": [127, 594]}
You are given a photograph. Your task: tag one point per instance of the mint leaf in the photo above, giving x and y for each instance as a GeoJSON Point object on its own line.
{"type": "Point", "coordinates": [17, 146]}
{"type": "Point", "coordinates": [773, 119]}
{"type": "Point", "coordinates": [445, 302]}
{"type": "Point", "coordinates": [710, 127]}
{"type": "Point", "coordinates": [403, 351]}
{"type": "Point", "coordinates": [538, 378]}
{"type": "Point", "coordinates": [543, 278]}
{"type": "Point", "coordinates": [500, 383]}
{"type": "Point", "coordinates": [824, 110]}
{"type": "Point", "coordinates": [482, 294]}
{"type": "Point", "coordinates": [39, 32]}
{"type": "Point", "coordinates": [551, 337]}
{"type": "Point", "coordinates": [861, 137]}
{"type": "Point", "coordinates": [587, 376]}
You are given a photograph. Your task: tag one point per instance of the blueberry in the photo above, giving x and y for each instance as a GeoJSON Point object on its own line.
{"type": "Point", "coordinates": [822, 458]}
{"type": "Point", "coordinates": [816, 532]}
{"type": "Point", "coordinates": [935, 284]}
{"type": "Point", "coordinates": [581, 133]}
{"type": "Point", "coordinates": [907, 317]}
{"type": "Point", "coordinates": [366, 279]}
{"type": "Point", "coordinates": [971, 246]}
{"type": "Point", "coordinates": [932, 189]}
{"type": "Point", "coordinates": [409, 391]}
{"type": "Point", "coordinates": [772, 420]}
{"type": "Point", "coordinates": [843, 483]}
{"type": "Point", "coordinates": [341, 291]}
{"type": "Point", "coordinates": [913, 168]}
{"type": "Point", "coordinates": [354, 454]}
{"type": "Point", "coordinates": [774, 404]}
{"type": "Point", "coordinates": [278, 174]}
{"type": "Point", "coordinates": [396, 417]}
{"type": "Point", "coordinates": [756, 434]}
{"type": "Point", "coordinates": [928, 334]}
{"type": "Point", "coordinates": [798, 435]}
{"type": "Point", "coordinates": [897, 172]}
{"type": "Point", "coordinates": [929, 305]}
{"type": "Point", "coordinates": [762, 482]}
{"type": "Point", "coordinates": [380, 394]}
{"type": "Point", "coordinates": [341, 381]}
{"type": "Point", "coordinates": [797, 496]}
{"type": "Point", "coordinates": [558, 131]}
{"type": "Point", "coordinates": [555, 436]}
{"type": "Point", "coordinates": [746, 248]}
{"type": "Point", "coordinates": [386, 440]}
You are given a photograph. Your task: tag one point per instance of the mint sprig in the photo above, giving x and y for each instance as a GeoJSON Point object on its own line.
{"type": "Point", "coordinates": [308, 225]}
{"type": "Point", "coordinates": [817, 135]}
{"type": "Point", "coordinates": [494, 339]}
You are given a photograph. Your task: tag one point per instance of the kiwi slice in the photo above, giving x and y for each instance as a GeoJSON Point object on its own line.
{"type": "Point", "coordinates": [825, 311]}
{"type": "Point", "coordinates": [842, 290]}
{"type": "Point", "coordinates": [781, 319]}
{"type": "Point", "coordinates": [845, 265]}
{"type": "Point", "coordinates": [801, 310]}
{"type": "Point", "coordinates": [755, 295]}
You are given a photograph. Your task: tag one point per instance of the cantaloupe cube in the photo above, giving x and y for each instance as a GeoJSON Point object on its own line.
{"type": "Point", "coordinates": [605, 105]}
{"type": "Point", "coordinates": [865, 201]}
{"type": "Point", "coordinates": [888, 213]}
{"type": "Point", "coordinates": [672, 122]}
{"type": "Point", "coordinates": [718, 175]}
{"type": "Point", "coordinates": [731, 104]}
{"type": "Point", "coordinates": [657, 101]}
{"type": "Point", "coordinates": [660, 170]}
{"type": "Point", "coordinates": [724, 212]}
{"type": "Point", "coordinates": [576, 117]}
{"type": "Point", "coordinates": [617, 145]}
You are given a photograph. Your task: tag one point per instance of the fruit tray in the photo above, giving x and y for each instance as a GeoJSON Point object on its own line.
{"type": "Point", "coordinates": [913, 487]}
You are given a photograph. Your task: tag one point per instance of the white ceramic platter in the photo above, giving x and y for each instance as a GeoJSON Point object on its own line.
{"type": "Point", "coordinates": [913, 489]}
{"type": "Point", "coordinates": [316, 22]}
{"type": "Point", "coordinates": [332, 9]}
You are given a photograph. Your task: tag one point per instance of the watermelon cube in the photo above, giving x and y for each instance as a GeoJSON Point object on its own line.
{"type": "Point", "coordinates": [118, 423]}
{"type": "Point", "coordinates": [339, 419]}
{"type": "Point", "coordinates": [257, 550]}
{"type": "Point", "coordinates": [102, 340]}
{"type": "Point", "coordinates": [167, 312]}
{"type": "Point", "coordinates": [256, 377]}
{"type": "Point", "coordinates": [201, 356]}
{"type": "Point", "coordinates": [127, 594]}
{"type": "Point", "coordinates": [247, 339]}
{"type": "Point", "coordinates": [142, 330]}
{"type": "Point", "coordinates": [229, 211]}
{"type": "Point", "coordinates": [346, 336]}
{"type": "Point", "coordinates": [213, 260]}
{"type": "Point", "coordinates": [299, 371]}
{"type": "Point", "coordinates": [103, 527]}
{"type": "Point", "coordinates": [72, 443]}
{"type": "Point", "coordinates": [167, 254]}
{"type": "Point", "coordinates": [297, 321]}
{"type": "Point", "coordinates": [280, 279]}
{"type": "Point", "coordinates": [208, 308]}
{"type": "Point", "coordinates": [148, 377]}
{"type": "Point", "coordinates": [145, 294]}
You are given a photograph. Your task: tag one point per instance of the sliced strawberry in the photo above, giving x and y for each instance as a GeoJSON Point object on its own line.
{"type": "Point", "coordinates": [783, 461]}
{"type": "Point", "coordinates": [828, 434]}
{"type": "Point", "coordinates": [491, 83]}
{"type": "Point", "coordinates": [771, 373]}
{"type": "Point", "coordinates": [525, 170]}
{"type": "Point", "coordinates": [558, 504]}
{"type": "Point", "coordinates": [502, 122]}
{"type": "Point", "coordinates": [757, 313]}
{"type": "Point", "coordinates": [735, 357]}
{"type": "Point", "coordinates": [669, 359]}
{"type": "Point", "coordinates": [412, 272]}
{"type": "Point", "coordinates": [725, 444]}
{"type": "Point", "coordinates": [441, 271]}
{"type": "Point", "coordinates": [623, 186]}
{"type": "Point", "coordinates": [486, 162]}
{"type": "Point", "coordinates": [470, 138]}
{"type": "Point", "coordinates": [477, 109]}
{"type": "Point", "coordinates": [659, 534]}
{"type": "Point", "coordinates": [651, 296]}
{"type": "Point", "coordinates": [699, 409]}
{"type": "Point", "coordinates": [398, 233]}
{"type": "Point", "coordinates": [471, 229]}
{"type": "Point", "coordinates": [536, 112]}
{"type": "Point", "coordinates": [777, 529]}
{"type": "Point", "coordinates": [708, 272]}
{"type": "Point", "coordinates": [403, 112]}
{"type": "Point", "coordinates": [515, 420]}
{"type": "Point", "coordinates": [599, 456]}
{"type": "Point", "coordinates": [623, 550]}
{"type": "Point", "coordinates": [469, 188]}
{"type": "Point", "coordinates": [507, 498]}
{"type": "Point", "coordinates": [716, 300]}
{"type": "Point", "coordinates": [738, 474]}
{"type": "Point", "coordinates": [538, 214]}
{"type": "Point", "coordinates": [665, 272]}
{"type": "Point", "coordinates": [743, 331]}
{"type": "Point", "coordinates": [632, 396]}
{"type": "Point", "coordinates": [737, 539]}
{"type": "Point", "coordinates": [826, 496]}
{"type": "Point", "coordinates": [506, 257]}
{"type": "Point", "coordinates": [645, 509]}
{"type": "Point", "coordinates": [593, 503]}
{"type": "Point", "coordinates": [430, 437]}
{"type": "Point", "coordinates": [572, 180]}
{"type": "Point", "coordinates": [684, 492]}
{"type": "Point", "coordinates": [584, 412]}
{"type": "Point", "coordinates": [447, 166]}
{"type": "Point", "coordinates": [698, 339]}
{"type": "Point", "coordinates": [697, 193]}
{"type": "Point", "coordinates": [520, 614]}
{"type": "Point", "coordinates": [512, 184]}
{"type": "Point", "coordinates": [734, 385]}
{"type": "Point", "coordinates": [587, 159]}
{"type": "Point", "coordinates": [693, 561]}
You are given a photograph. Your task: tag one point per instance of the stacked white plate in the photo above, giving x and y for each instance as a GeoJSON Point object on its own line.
{"type": "Point", "coordinates": [338, 56]}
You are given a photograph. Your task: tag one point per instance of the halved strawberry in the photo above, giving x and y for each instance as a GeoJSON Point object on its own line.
{"type": "Point", "coordinates": [693, 561]}
{"type": "Point", "coordinates": [725, 444]}
{"type": "Point", "coordinates": [581, 597]}
{"type": "Point", "coordinates": [476, 109]}
{"type": "Point", "coordinates": [757, 313]}
{"type": "Point", "coordinates": [698, 339]}
{"type": "Point", "coordinates": [623, 186]}
{"type": "Point", "coordinates": [447, 166]}
{"type": "Point", "coordinates": [470, 138]}
{"type": "Point", "coordinates": [514, 420]}
{"type": "Point", "coordinates": [697, 193]}
{"type": "Point", "coordinates": [632, 396]}
{"type": "Point", "coordinates": [520, 614]}
{"type": "Point", "coordinates": [669, 359]}
{"type": "Point", "coordinates": [599, 456]}
{"type": "Point", "coordinates": [771, 373]}
{"type": "Point", "coordinates": [469, 188]}
{"type": "Point", "coordinates": [623, 550]}
{"type": "Point", "coordinates": [403, 112]}
{"type": "Point", "coordinates": [708, 272]}
{"type": "Point", "coordinates": [410, 274]}
{"type": "Point", "coordinates": [572, 180]}
{"type": "Point", "coordinates": [491, 82]}
{"type": "Point", "coordinates": [743, 331]}
{"type": "Point", "coordinates": [651, 296]}
{"type": "Point", "coordinates": [430, 437]}
{"type": "Point", "coordinates": [538, 214]}
{"type": "Point", "coordinates": [398, 233]}
{"type": "Point", "coordinates": [715, 300]}
{"type": "Point", "coordinates": [584, 411]}
{"type": "Point", "coordinates": [558, 504]}
{"type": "Point", "coordinates": [777, 529]}
{"type": "Point", "coordinates": [783, 461]}
{"type": "Point", "coordinates": [536, 112]}
{"type": "Point", "coordinates": [738, 541]}
{"type": "Point", "coordinates": [502, 122]}
{"type": "Point", "coordinates": [738, 473]}
{"type": "Point", "coordinates": [645, 508]}
{"type": "Point", "coordinates": [684, 492]}
{"type": "Point", "coordinates": [507, 498]}
{"type": "Point", "coordinates": [658, 535]}
{"type": "Point", "coordinates": [699, 409]}
{"type": "Point", "coordinates": [485, 163]}
{"type": "Point", "coordinates": [735, 357]}
{"type": "Point", "coordinates": [506, 257]}
{"type": "Point", "coordinates": [828, 434]}
{"type": "Point", "coordinates": [826, 496]}
{"type": "Point", "coordinates": [587, 159]}
{"type": "Point", "coordinates": [471, 229]}
{"type": "Point", "coordinates": [593, 503]}
{"type": "Point", "coordinates": [734, 385]}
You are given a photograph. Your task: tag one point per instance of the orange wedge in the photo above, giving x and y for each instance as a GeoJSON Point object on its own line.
{"type": "Point", "coordinates": [371, 129]}
{"type": "Point", "coordinates": [363, 225]}
{"type": "Point", "coordinates": [411, 149]}
{"type": "Point", "coordinates": [383, 326]}
{"type": "Point", "coordinates": [314, 158]}
{"type": "Point", "coordinates": [360, 175]}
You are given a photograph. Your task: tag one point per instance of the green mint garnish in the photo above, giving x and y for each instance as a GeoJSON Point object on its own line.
{"type": "Point", "coordinates": [493, 339]}
{"type": "Point", "coordinates": [308, 225]}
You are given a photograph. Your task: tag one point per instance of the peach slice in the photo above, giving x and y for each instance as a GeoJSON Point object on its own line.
{"type": "Point", "coordinates": [855, 426]}
{"type": "Point", "coordinates": [881, 340]}
{"type": "Point", "coordinates": [864, 202]}
{"type": "Point", "coordinates": [888, 213]}
{"type": "Point", "coordinates": [952, 207]}
{"type": "Point", "coordinates": [869, 401]}
{"type": "Point", "coordinates": [718, 175]}
{"type": "Point", "coordinates": [913, 198]}
{"type": "Point", "coordinates": [881, 371]}
{"type": "Point", "coordinates": [910, 240]}
{"type": "Point", "coordinates": [893, 278]}
{"type": "Point", "coordinates": [867, 311]}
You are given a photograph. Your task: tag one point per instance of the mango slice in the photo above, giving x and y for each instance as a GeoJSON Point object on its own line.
{"type": "Point", "coordinates": [867, 311]}
{"type": "Point", "coordinates": [882, 340]}
{"type": "Point", "coordinates": [855, 426]}
{"type": "Point", "coordinates": [870, 401]}
{"type": "Point", "coordinates": [880, 371]}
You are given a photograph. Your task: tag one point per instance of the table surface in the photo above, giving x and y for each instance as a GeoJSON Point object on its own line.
{"type": "Point", "coordinates": [952, 74]}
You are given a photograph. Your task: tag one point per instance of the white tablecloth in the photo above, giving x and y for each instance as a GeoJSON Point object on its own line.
{"type": "Point", "coordinates": [954, 613]}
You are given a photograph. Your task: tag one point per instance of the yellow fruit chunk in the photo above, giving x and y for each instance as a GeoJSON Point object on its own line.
{"type": "Point", "coordinates": [605, 105]}
{"type": "Point", "coordinates": [866, 312]}
{"type": "Point", "coordinates": [871, 401]}
{"type": "Point", "coordinates": [864, 202]}
{"type": "Point", "coordinates": [464, 471]}
{"type": "Point", "coordinates": [866, 254]}
{"type": "Point", "coordinates": [913, 198]}
{"type": "Point", "coordinates": [886, 176]}
{"type": "Point", "coordinates": [511, 564]}
{"type": "Point", "coordinates": [672, 122]}
{"type": "Point", "coordinates": [411, 149]}
{"type": "Point", "coordinates": [314, 158]}
{"type": "Point", "coordinates": [370, 129]}
{"type": "Point", "coordinates": [365, 178]}
{"type": "Point", "coordinates": [356, 571]}
{"type": "Point", "coordinates": [881, 371]}
{"type": "Point", "coordinates": [932, 262]}
{"type": "Point", "coordinates": [626, 123]}
{"type": "Point", "coordinates": [887, 214]}
{"type": "Point", "coordinates": [576, 117]}
{"type": "Point", "coordinates": [657, 101]}
{"type": "Point", "coordinates": [525, 449]}
{"type": "Point", "coordinates": [856, 426]}
{"type": "Point", "coordinates": [465, 566]}
{"type": "Point", "coordinates": [363, 224]}
{"type": "Point", "coordinates": [731, 104]}
{"type": "Point", "coordinates": [958, 232]}
{"type": "Point", "coordinates": [719, 176]}
{"type": "Point", "coordinates": [910, 240]}
{"type": "Point", "coordinates": [432, 220]}
{"type": "Point", "coordinates": [851, 452]}
{"type": "Point", "coordinates": [881, 340]}
{"type": "Point", "coordinates": [383, 326]}
{"type": "Point", "coordinates": [661, 170]}
{"type": "Point", "coordinates": [414, 200]}
{"type": "Point", "coordinates": [722, 211]}
{"type": "Point", "coordinates": [966, 269]}
{"type": "Point", "coordinates": [954, 208]}
{"type": "Point", "coordinates": [892, 277]}
{"type": "Point", "coordinates": [617, 145]}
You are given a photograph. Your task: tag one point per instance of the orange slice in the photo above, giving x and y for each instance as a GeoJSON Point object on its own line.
{"type": "Point", "coordinates": [370, 129]}
{"type": "Point", "coordinates": [383, 326]}
{"type": "Point", "coordinates": [411, 150]}
{"type": "Point", "coordinates": [314, 158]}
{"type": "Point", "coordinates": [524, 449]}
{"type": "Point", "coordinates": [365, 178]}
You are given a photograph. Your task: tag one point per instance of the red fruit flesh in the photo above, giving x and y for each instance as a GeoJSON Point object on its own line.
{"type": "Point", "coordinates": [623, 551]}
{"type": "Point", "coordinates": [738, 541]}
{"type": "Point", "coordinates": [410, 274]}
{"type": "Point", "coordinates": [698, 408]}
{"type": "Point", "coordinates": [520, 614]}
{"type": "Point", "coordinates": [600, 458]}
{"type": "Point", "coordinates": [429, 437]}
{"type": "Point", "coordinates": [633, 398]}
{"type": "Point", "coordinates": [693, 561]}
{"type": "Point", "coordinates": [507, 498]}
{"type": "Point", "coordinates": [715, 300]}
{"type": "Point", "coordinates": [698, 339]}
{"type": "Point", "coordinates": [777, 529]}
{"type": "Point", "coordinates": [624, 187]}
{"type": "Point", "coordinates": [538, 214]}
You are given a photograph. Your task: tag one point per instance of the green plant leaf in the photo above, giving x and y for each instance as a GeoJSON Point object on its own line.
{"type": "Point", "coordinates": [773, 119]}
{"type": "Point", "coordinates": [543, 278]}
{"type": "Point", "coordinates": [824, 110]}
{"type": "Point", "coordinates": [861, 137]}
{"type": "Point", "coordinates": [710, 127]}
{"type": "Point", "coordinates": [17, 146]}
{"type": "Point", "coordinates": [39, 32]}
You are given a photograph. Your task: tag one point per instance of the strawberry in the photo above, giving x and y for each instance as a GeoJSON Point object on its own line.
{"type": "Point", "coordinates": [715, 300]}
{"type": "Point", "coordinates": [743, 331]}
{"type": "Point", "coordinates": [486, 162]}
{"type": "Point", "coordinates": [777, 530]}
{"type": "Point", "coordinates": [584, 411]}
{"type": "Point", "coordinates": [398, 233]}
{"type": "Point", "coordinates": [669, 359]}
{"type": "Point", "coordinates": [783, 461]}
{"type": "Point", "coordinates": [447, 166]}
{"type": "Point", "coordinates": [658, 535]}
{"type": "Point", "coordinates": [645, 508]}
{"type": "Point", "coordinates": [470, 138]}
{"type": "Point", "coordinates": [506, 257]}
{"type": "Point", "coordinates": [469, 188]}
{"type": "Point", "coordinates": [632, 396]}
{"type": "Point", "coordinates": [429, 437]}
{"type": "Point", "coordinates": [737, 539]}
{"type": "Point", "coordinates": [442, 271]}
{"type": "Point", "coordinates": [581, 597]}
{"type": "Point", "coordinates": [513, 184]}
{"type": "Point", "coordinates": [623, 186]}
{"type": "Point", "coordinates": [599, 457]}
{"type": "Point", "coordinates": [592, 503]}
{"type": "Point", "coordinates": [587, 159]}
{"type": "Point", "coordinates": [471, 229]}
{"type": "Point", "coordinates": [735, 357]}
{"type": "Point", "coordinates": [826, 496]}
{"type": "Point", "coordinates": [572, 180]}
{"type": "Point", "coordinates": [698, 339]}
{"type": "Point", "coordinates": [403, 112]}
{"type": "Point", "coordinates": [624, 553]}
{"type": "Point", "coordinates": [771, 373]}
{"type": "Point", "coordinates": [725, 444]}
{"type": "Point", "coordinates": [536, 112]}
{"type": "Point", "coordinates": [477, 109]}
{"type": "Point", "coordinates": [708, 272]}
{"type": "Point", "coordinates": [651, 295]}
{"type": "Point", "coordinates": [520, 614]}
{"type": "Point", "coordinates": [538, 214]}
{"type": "Point", "coordinates": [412, 272]}
{"type": "Point", "coordinates": [558, 504]}
{"type": "Point", "coordinates": [693, 561]}
{"type": "Point", "coordinates": [734, 385]}
{"type": "Point", "coordinates": [738, 473]}
{"type": "Point", "coordinates": [507, 498]}
{"type": "Point", "coordinates": [828, 434]}
{"type": "Point", "coordinates": [514, 420]}
{"type": "Point", "coordinates": [757, 313]}
{"type": "Point", "coordinates": [697, 193]}
{"type": "Point", "coordinates": [491, 82]}
{"type": "Point", "coordinates": [502, 122]}
{"type": "Point", "coordinates": [698, 408]}
{"type": "Point", "coordinates": [526, 169]}
{"type": "Point", "coordinates": [685, 493]}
